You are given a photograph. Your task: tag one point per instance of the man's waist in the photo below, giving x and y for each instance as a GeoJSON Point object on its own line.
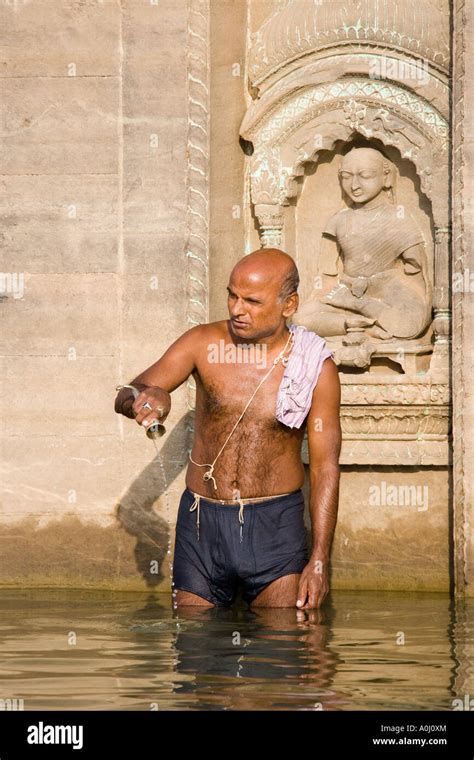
{"type": "Point", "coordinates": [246, 500]}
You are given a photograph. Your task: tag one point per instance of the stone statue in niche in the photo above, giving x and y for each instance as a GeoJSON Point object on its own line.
{"type": "Point", "coordinates": [383, 293]}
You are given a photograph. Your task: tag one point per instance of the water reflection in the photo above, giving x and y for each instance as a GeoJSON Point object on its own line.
{"type": "Point", "coordinates": [365, 650]}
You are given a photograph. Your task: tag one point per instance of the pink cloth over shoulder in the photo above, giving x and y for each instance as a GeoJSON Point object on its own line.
{"type": "Point", "coordinates": [300, 377]}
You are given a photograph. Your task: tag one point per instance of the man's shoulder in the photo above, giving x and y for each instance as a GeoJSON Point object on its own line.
{"type": "Point", "coordinates": [213, 331]}
{"type": "Point", "coordinates": [312, 340]}
{"type": "Point", "coordinates": [208, 330]}
{"type": "Point", "coordinates": [328, 381]}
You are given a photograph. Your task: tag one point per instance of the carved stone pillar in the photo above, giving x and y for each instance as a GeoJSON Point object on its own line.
{"type": "Point", "coordinates": [197, 181]}
{"type": "Point", "coordinates": [463, 305]}
{"type": "Point", "coordinates": [441, 306]}
{"type": "Point", "coordinates": [270, 220]}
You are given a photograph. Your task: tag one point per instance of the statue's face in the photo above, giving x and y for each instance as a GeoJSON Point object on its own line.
{"type": "Point", "coordinates": [362, 174]}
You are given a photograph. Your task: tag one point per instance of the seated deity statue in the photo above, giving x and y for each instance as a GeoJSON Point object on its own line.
{"type": "Point", "coordinates": [383, 289]}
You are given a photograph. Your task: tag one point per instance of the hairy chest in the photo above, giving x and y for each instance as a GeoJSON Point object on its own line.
{"type": "Point", "coordinates": [222, 393]}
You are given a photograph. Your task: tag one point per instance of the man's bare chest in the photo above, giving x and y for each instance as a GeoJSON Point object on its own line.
{"type": "Point", "coordinates": [223, 392]}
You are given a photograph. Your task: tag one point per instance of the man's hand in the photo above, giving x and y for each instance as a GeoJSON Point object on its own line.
{"type": "Point", "coordinates": [160, 379]}
{"type": "Point", "coordinates": [314, 584]}
{"type": "Point", "coordinates": [159, 401]}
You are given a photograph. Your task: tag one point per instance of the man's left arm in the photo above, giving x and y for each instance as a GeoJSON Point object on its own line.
{"type": "Point", "coordinates": [324, 446]}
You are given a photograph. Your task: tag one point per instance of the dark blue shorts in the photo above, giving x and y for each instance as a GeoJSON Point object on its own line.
{"type": "Point", "coordinates": [270, 542]}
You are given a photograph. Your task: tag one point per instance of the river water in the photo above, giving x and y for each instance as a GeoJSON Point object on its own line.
{"type": "Point", "coordinates": [89, 650]}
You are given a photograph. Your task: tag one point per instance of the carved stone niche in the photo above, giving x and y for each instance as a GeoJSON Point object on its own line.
{"type": "Point", "coordinates": [324, 77]}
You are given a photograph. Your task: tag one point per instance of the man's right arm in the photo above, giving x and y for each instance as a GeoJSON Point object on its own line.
{"type": "Point", "coordinates": [166, 374]}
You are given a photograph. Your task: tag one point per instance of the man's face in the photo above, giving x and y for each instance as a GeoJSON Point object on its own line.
{"type": "Point", "coordinates": [362, 175]}
{"type": "Point", "coordinates": [253, 308]}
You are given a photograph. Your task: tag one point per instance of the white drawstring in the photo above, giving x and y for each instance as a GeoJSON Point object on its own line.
{"type": "Point", "coordinates": [241, 517]}
{"type": "Point", "coordinates": [196, 504]}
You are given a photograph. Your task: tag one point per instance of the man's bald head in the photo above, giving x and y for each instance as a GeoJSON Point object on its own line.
{"type": "Point", "coordinates": [262, 294]}
{"type": "Point", "coordinates": [267, 266]}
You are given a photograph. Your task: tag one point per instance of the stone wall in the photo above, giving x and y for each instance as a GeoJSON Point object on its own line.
{"type": "Point", "coordinates": [125, 204]}
{"type": "Point", "coordinates": [316, 87]}
{"type": "Point", "coordinates": [94, 210]}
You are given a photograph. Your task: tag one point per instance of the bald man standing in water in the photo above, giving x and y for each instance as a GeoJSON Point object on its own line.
{"type": "Point", "coordinates": [241, 521]}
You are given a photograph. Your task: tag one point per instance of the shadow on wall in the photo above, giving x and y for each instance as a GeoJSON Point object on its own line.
{"type": "Point", "coordinates": [135, 510]}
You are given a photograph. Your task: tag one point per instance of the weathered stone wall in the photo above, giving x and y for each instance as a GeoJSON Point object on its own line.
{"type": "Point", "coordinates": [311, 69]}
{"type": "Point", "coordinates": [227, 104]}
{"type": "Point", "coordinates": [125, 203]}
{"type": "Point", "coordinates": [94, 208]}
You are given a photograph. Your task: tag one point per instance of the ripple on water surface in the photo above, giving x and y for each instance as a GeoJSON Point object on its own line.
{"type": "Point", "coordinates": [79, 650]}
